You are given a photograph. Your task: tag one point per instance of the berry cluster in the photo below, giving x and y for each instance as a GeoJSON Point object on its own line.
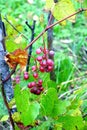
{"type": "Point", "coordinates": [45, 64]}
{"type": "Point", "coordinates": [36, 88]}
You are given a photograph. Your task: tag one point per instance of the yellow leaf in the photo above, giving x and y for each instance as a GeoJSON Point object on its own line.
{"type": "Point", "coordinates": [62, 9]}
{"type": "Point", "coordinates": [11, 103]}
{"type": "Point", "coordinates": [16, 117]}
{"type": "Point", "coordinates": [49, 4]}
{"type": "Point", "coordinates": [4, 118]}
{"type": "Point", "coordinates": [76, 112]}
{"type": "Point", "coordinates": [18, 40]}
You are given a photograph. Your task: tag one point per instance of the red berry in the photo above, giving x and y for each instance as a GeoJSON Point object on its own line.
{"type": "Point", "coordinates": [50, 62]}
{"type": "Point", "coordinates": [39, 58]}
{"type": "Point", "coordinates": [50, 68]}
{"type": "Point", "coordinates": [29, 85]}
{"type": "Point", "coordinates": [35, 75]}
{"type": "Point", "coordinates": [38, 92]}
{"type": "Point", "coordinates": [33, 84]}
{"type": "Point", "coordinates": [42, 69]}
{"type": "Point", "coordinates": [41, 88]}
{"type": "Point", "coordinates": [51, 53]}
{"type": "Point", "coordinates": [26, 75]}
{"type": "Point", "coordinates": [34, 68]}
{"type": "Point", "coordinates": [34, 90]}
{"type": "Point", "coordinates": [40, 81]}
{"type": "Point", "coordinates": [44, 63]}
{"type": "Point", "coordinates": [38, 51]}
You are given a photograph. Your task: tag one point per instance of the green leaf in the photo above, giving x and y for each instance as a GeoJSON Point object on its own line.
{"type": "Point", "coordinates": [28, 111]}
{"type": "Point", "coordinates": [44, 126]}
{"type": "Point", "coordinates": [30, 114]}
{"type": "Point", "coordinates": [60, 107]}
{"type": "Point", "coordinates": [48, 100]}
{"type": "Point", "coordinates": [18, 99]}
{"type": "Point", "coordinates": [72, 122]}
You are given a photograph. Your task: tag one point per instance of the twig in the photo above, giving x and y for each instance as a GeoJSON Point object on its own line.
{"type": "Point", "coordinates": [15, 28]}
{"type": "Point", "coordinates": [32, 28]}
{"type": "Point", "coordinates": [6, 103]}
{"type": "Point", "coordinates": [52, 25]}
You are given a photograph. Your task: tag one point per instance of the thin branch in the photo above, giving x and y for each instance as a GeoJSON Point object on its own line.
{"type": "Point", "coordinates": [32, 28]}
{"type": "Point", "coordinates": [15, 28]}
{"type": "Point", "coordinates": [6, 103]}
{"type": "Point", "coordinates": [28, 25]}
{"type": "Point", "coordinates": [52, 25]}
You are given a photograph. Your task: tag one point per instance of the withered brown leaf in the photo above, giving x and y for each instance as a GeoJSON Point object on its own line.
{"type": "Point", "coordinates": [17, 57]}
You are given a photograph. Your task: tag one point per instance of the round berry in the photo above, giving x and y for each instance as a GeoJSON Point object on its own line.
{"type": "Point", "coordinates": [50, 68]}
{"type": "Point", "coordinates": [34, 68]}
{"type": "Point", "coordinates": [38, 92]}
{"type": "Point", "coordinates": [40, 81]}
{"type": "Point", "coordinates": [38, 51]}
{"type": "Point", "coordinates": [33, 90]}
{"type": "Point", "coordinates": [42, 69]}
{"type": "Point", "coordinates": [51, 53]}
{"type": "Point", "coordinates": [35, 75]}
{"type": "Point", "coordinates": [39, 58]}
{"type": "Point", "coordinates": [26, 75]}
{"type": "Point", "coordinates": [50, 62]}
{"type": "Point", "coordinates": [33, 84]}
{"type": "Point", "coordinates": [41, 88]}
{"type": "Point", "coordinates": [44, 63]}
{"type": "Point", "coordinates": [29, 85]}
